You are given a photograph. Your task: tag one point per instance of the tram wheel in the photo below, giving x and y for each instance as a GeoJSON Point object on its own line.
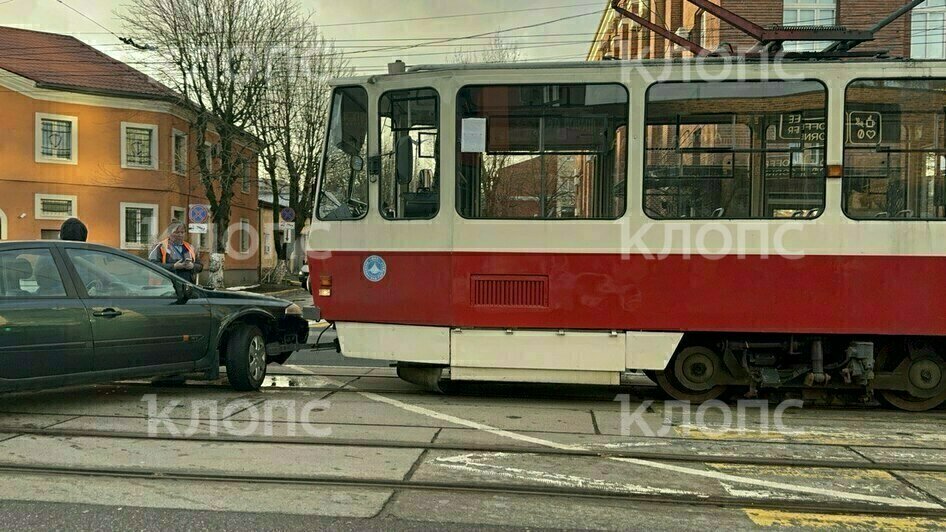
{"type": "Point", "coordinates": [926, 371]}
{"type": "Point", "coordinates": [692, 376]}
{"type": "Point", "coordinates": [428, 377]}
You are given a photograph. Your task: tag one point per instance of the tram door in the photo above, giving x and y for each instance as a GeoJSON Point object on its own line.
{"type": "Point", "coordinates": [410, 147]}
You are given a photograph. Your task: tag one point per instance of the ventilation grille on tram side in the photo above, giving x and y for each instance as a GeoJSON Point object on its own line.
{"type": "Point", "coordinates": [522, 291]}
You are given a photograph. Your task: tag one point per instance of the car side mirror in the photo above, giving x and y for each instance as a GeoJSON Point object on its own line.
{"type": "Point", "coordinates": [185, 292]}
{"type": "Point", "coordinates": [356, 163]}
{"type": "Point", "coordinates": [405, 160]}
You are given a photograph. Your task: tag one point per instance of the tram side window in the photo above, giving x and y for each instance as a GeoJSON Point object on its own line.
{"type": "Point", "coordinates": [895, 149]}
{"type": "Point", "coordinates": [344, 182]}
{"type": "Point", "coordinates": [410, 154]}
{"type": "Point", "coordinates": [738, 150]}
{"type": "Point", "coordinates": [542, 151]}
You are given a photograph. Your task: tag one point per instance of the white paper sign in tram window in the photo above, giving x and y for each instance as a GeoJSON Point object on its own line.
{"type": "Point", "coordinates": [473, 139]}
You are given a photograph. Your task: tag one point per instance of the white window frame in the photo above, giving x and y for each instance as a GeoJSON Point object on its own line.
{"type": "Point", "coordinates": [38, 134]}
{"type": "Point", "coordinates": [3, 225]}
{"type": "Point", "coordinates": [121, 229]}
{"type": "Point", "coordinates": [202, 240]}
{"type": "Point", "coordinates": [246, 180]}
{"type": "Point", "coordinates": [38, 206]}
{"type": "Point", "coordinates": [209, 155]}
{"type": "Point", "coordinates": [245, 230]}
{"type": "Point", "coordinates": [175, 133]}
{"type": "Point", "coordinates": [798, 6]}
{"type": "Point", "coordinates": [154, 146]}
{"type": "Point", "coordinates": [175, 209]}
{"type": "Point", "coordinates": [928, 40]}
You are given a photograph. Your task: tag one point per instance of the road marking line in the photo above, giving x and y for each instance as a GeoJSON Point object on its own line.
{"type": "Point", "coordinates": [716, 475]}
{"type": "Point", "coordinates": [778, 518]}
{"type": "Point", "coordinates": [476, 463]}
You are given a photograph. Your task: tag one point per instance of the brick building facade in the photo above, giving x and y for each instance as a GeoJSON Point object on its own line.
{"type": "Point", "coordinates": [919, 35]}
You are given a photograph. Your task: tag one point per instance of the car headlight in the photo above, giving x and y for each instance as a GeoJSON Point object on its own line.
{"type": "Point", "coordinates": [294, 310]}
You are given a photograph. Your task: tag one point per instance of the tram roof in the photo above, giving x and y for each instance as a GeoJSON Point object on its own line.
{"type": "Point", "coordinates": [547, 65]}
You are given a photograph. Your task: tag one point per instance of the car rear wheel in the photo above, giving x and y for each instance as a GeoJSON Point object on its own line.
{"type": "Point", "coordinates": [246, 358]}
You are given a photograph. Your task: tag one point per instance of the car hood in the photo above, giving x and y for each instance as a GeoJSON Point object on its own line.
{"type": "Point", "coordinates": [237, 296]}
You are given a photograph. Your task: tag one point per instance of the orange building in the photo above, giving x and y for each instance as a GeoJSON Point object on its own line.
{"type": "Point", "coordinates": [84, 135]}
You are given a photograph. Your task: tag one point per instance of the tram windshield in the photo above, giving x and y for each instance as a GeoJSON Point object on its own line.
{"type": "Point", "coordinates": [344, 186]}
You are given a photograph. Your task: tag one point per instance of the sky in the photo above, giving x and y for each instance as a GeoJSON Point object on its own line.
{"type": "Point", "coordinates": [357, 26]}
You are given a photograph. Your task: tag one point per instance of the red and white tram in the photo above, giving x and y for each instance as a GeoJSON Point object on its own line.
{"type": "Point", "coordinates": [717, 224]}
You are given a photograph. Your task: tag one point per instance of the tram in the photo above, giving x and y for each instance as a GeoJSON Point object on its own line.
{"type": "Point", "coordinates": [721, 226]}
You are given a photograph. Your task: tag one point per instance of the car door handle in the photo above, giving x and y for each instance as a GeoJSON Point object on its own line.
{"type": "Point", "coordinates": [107, 313]}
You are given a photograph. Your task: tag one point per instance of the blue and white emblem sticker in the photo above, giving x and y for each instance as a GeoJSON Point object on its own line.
{"type": "Point", "coordinates": [374, 268]}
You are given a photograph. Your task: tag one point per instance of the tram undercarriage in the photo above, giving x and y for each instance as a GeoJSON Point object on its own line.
{"type": "Point", "coordinates": [906, 373]}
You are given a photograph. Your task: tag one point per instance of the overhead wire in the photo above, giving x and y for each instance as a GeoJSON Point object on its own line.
{"type": "Point", "coordinates": [465, 15]}
{"type": "Point", "coordinates": [92, 20]}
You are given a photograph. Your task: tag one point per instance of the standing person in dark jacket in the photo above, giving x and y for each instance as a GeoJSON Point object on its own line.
{"type": "Point", "coordinates": [176, 255]}
{"type": "Point", "coordinates": [73, 229]}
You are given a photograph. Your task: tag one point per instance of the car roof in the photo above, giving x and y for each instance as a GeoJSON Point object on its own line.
{"type": "Point", "coordinates": [39, 244]}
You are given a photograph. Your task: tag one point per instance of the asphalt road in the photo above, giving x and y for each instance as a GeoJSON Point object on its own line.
{"type": "Point", "coordinates": [17, 515]}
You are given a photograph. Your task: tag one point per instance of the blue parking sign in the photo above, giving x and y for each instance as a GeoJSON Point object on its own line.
{"type": "Point", "coordinates": [199, 213]}
{"type": "Point", "coordinates": [287, 214]}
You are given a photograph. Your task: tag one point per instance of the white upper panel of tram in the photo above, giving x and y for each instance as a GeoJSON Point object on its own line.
{"type": "Point", "coordinates": [620, 156]}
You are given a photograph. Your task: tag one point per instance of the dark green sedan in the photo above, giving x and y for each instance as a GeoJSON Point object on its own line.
{"type": "Point", "coordinates": [75, 313]}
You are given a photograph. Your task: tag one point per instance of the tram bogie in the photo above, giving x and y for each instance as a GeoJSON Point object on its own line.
{"type": "Point", "coordinates": [772, 227]}
{"type": "Point", "coordinates": [906, 372]}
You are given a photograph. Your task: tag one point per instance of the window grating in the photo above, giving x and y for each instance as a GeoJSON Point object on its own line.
{"type": "Point", "coordinates": [138, 146]}
{"type": "Point", "coordinates": [138, 222]}
{"type": "Point", "coordinates": [56, 207]}
{"type": "Point", "coordinates": [57, 139]}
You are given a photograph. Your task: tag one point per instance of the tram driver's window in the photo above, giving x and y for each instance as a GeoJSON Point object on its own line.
{"type": "Point", "coordinates": [749, 149]}
{"type": "Point", "coordinates": [542, 151]}
{"type": "Point", "coordinates": [410, 154]}
{"type": "Point", "coordinates": [343, 191]}
{"type": "Point", "coordinates": [895, 150]}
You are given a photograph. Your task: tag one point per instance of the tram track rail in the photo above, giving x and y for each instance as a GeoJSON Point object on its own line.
{"type": "Point", "coordinates": [930, 511]}
{"type": "Point", "coordinates": [912, 418]}
{"type": "Point", "coordinates": [482, 448]}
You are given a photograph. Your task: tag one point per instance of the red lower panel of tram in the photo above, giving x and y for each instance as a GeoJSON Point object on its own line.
{"type": "Point", "coordinates": [813, 294]}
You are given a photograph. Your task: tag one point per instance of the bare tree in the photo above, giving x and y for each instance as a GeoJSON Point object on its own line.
{"type": "Point", "coordinates": [219, 52]}
{"type": "Point", "coordinates": [498, 50]}
{"type": "Point", "coordinates": [291, 123]}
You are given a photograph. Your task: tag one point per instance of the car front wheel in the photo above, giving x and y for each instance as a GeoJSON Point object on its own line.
{"type": "Point", "coordinates": [246, 358]}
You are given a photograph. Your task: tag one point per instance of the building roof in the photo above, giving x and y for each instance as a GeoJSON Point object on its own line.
{"type": "Point", "coordinates": [65, 63]}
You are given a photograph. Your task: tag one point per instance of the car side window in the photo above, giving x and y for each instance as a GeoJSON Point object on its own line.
{"type": "Point", "coordinates": [108, 275]}
{"type": "Point", "coordinates": [29, 273]}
